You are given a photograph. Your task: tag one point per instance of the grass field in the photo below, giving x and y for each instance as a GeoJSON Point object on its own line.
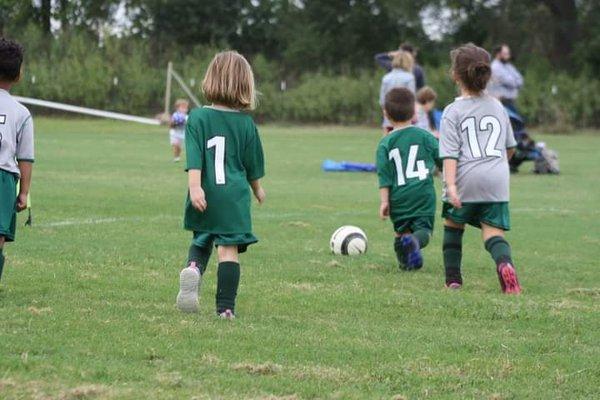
{"type": "Point", "coordinates": [87, 298]}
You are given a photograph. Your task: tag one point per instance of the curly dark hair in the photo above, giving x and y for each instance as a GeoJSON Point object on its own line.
{"type": "Point", "coordinates": [11, 58]}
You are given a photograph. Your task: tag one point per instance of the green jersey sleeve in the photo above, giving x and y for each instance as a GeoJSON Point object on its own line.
{"type": "Point", "coordinates": [254, 159]}
{"type": "Point", "coordinates": [384, 168]}
{"type": "Point", "coordinates": [194, 146]}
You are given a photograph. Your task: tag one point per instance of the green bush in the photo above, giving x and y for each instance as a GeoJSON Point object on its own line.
{"type": "Point", "coordinates": [126, 75]}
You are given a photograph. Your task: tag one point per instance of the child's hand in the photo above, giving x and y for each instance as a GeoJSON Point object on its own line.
{"type": "Point", "coordinates": [197, 198]}
{"type": "Point", "coordinates": [21, 202]}
{"type": "Point", "coordinates": [260, 194]}
{"type": "Point", "coordinates": [384, 210]}
{"type": "Point", "coordinates": [453, 196]}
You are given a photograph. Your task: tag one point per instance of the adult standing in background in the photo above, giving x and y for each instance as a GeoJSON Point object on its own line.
{"type": "Point", "coordinates": [401, 76]}
{"type": "Point", "coordinates": [385, 61]}
{"type": "Point", "coordinates": [506, 80]}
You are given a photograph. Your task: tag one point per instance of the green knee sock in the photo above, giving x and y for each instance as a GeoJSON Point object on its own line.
{"type": "Point", "coordinates": [200, 256]}
{"type": "Point", "coordinates": [499, 249]}
{"type": "Point", "coordinates": [452, 249]}
{"type": "Point", "coordinates": [1, 262]}
{"type": "Point", "coordinates": [399, 254]}
{"type": "Point", "coordinates": [228, 280]}
{"type": "Point", "coordinates": [423, 236]}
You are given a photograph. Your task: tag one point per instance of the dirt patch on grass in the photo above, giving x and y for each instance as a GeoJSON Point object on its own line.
{"type": "Point", "coordinates": [258, 369]}
{"type": "Point", "coordinates": [84, 392]}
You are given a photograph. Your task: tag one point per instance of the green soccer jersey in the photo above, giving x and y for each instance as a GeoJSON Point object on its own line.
{"type": "Point", "coordinates": [405, 162]}
{"type": "Point", "coordinates": [225, 145]}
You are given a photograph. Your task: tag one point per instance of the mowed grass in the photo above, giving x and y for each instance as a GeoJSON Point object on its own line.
{"type": "Point", "coordinates": [87, 298]}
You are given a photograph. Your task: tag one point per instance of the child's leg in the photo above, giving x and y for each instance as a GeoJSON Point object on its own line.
{"type": "Point", "coordinates": [422, 235]}
{"type": "Point", "coordinates": [498, 247]}
{"type": "Point", "coordinates": [452, 248]}
{"type": "Point", "coordinates": [496, 244]}
{"type": "Point", "coordinates": [1, 255]}
{"type": "Point", "coordinates": [190, 278]}
{"type": "Point", "coordinates": [228, 278]}
{"type": "Point", "coordinates": [176, 150]}
{"type": "Point", "coordinates": [199, 256]}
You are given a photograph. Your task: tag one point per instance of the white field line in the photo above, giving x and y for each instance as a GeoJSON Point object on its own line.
{"type": "Point", "coordinates": [110, 220]}
{"type": "Point", "coordinates": [96, 221]}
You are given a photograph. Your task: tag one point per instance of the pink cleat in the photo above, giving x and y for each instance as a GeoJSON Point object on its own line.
{"type": "Point", "coordinates": [508, 278]}
{"type": "Point", "coordinates": [454, 285]}
{"type": "Point", "coordinates": [227, 314]}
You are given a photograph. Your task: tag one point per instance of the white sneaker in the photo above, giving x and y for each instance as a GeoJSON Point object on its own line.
{"type": "Point", "coordinates": [177, 159]}
{"type": "Point", "coordinates": [189, 284]}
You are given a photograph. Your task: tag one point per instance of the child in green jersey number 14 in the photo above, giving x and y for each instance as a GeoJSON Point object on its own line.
{"type": "Point", "coordinates": [224, 161]}
{"type": "Point", "coordinates": [16, 145]}
{"type": "Point", "coordinates": [476, 142]}
{"type": "Point", "coordinates": [406, 158]}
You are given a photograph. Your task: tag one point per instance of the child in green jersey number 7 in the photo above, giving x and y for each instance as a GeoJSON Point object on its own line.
{"type": "Point", "coordinates": [406, 158]}
{"type": "Point", "coordinates": [476, 142]}
{"type": "Point", "coordinates": [224, 160]}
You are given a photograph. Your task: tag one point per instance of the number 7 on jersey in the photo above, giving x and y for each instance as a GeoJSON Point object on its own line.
{"type": "Point", "coordinates": [218, 142]}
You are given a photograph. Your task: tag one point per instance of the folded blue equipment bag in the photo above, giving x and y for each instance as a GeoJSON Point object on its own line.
{"type": "Point", "coordinates": [347, 166]}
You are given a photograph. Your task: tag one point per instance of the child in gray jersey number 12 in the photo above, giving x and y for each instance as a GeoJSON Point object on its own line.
{"type": "Point", "coordinates": [476, 142]}
{"type": "Point", "coordinates": [16, 145]}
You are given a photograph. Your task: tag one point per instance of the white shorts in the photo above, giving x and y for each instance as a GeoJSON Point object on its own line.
{"type": "Point", "coordinates": [176, 136]}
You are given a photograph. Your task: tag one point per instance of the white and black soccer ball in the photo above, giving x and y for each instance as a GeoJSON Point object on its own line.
{"type": "Point", "coordinates": [348, 240]}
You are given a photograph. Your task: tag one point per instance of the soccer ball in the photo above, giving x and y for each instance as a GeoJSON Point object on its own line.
{"type": "Point", "coordinates": [348, 240]}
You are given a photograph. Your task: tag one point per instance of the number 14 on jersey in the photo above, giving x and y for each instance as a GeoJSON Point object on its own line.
{"type": "Point", "coordinates": [414, 168]}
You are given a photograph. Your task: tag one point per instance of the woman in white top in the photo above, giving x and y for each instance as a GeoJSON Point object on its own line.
{"type": "Point", "coordinates": [400, 76]}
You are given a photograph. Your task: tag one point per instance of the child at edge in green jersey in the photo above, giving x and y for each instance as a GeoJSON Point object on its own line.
{"type": "Point", "coordinates": [224, 161]}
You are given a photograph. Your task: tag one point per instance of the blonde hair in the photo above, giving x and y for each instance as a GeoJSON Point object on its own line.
{"type": "Point", "coordinates": [404, 60]}
{"type": "Point", "coordinates": [181, 102]}
{"type": "Point", "coordinates": [229, 81]}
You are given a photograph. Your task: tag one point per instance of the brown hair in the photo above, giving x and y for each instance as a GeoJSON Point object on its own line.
{"type": "Point", "coordinates": [403, 59]}
{"type": "Point", "coordinates": [399, 105]}
{"type": "Point", "coordinates": [229, 81]}
{"type": "Point", "coordinates": [426, 94]}
{"type": "Point", "coordinates": [471, 66]}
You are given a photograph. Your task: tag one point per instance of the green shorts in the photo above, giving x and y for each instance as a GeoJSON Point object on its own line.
{"type": "Point", "coordinates": [8, 205]}
{"type": "Point", "coordinates": [207, 240]}
{"type": "Point", "coordinates": [493, 214]}
{"type": "Point", "coordinates": [414, 224]}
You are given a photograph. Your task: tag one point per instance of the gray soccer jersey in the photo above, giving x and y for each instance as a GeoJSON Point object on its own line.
{"type": "Point", "coordinates": [476, 131]}
{"type": "Point", "coordinates": [16, 133]}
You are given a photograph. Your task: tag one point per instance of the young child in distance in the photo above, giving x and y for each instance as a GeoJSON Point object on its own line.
{"type": "Point", "coordinates": [405, 159]}
{"type": "Point", "coordinates": [224, 160]}
{"type": "Point", "coordinates": [426, 98]}
{"type": "Point", "coordinates": [401, 75]}
{"type": "Point", "coordinates": [177, 124]}
{"type": "Point", "coordinates": [16, 145]}
{"type": "Point", "coordinates": [476, 142]}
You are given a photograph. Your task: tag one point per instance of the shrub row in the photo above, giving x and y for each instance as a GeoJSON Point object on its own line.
{"type": "Point", "coordinates": [125, 75]}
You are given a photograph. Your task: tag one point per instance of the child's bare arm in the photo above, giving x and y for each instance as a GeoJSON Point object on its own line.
{"type": "Point", "coordinates": [384, 207]}
{"type": "Point", "coordinates": [258, 190]}
{"type": "Point", "coordinates": [195, 187]}
{"type": "Point", "coordinates": [510, 153]}
{"type": "Point", "coordinates": [25, 167]}
{"type": "Point", "coordinates": [450, 179]}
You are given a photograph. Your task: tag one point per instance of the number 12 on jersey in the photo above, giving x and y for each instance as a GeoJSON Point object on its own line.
{"type": "Point", "coordinates": [218, 142]}
{"type": "Point", "coordinates": [414, 168]}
